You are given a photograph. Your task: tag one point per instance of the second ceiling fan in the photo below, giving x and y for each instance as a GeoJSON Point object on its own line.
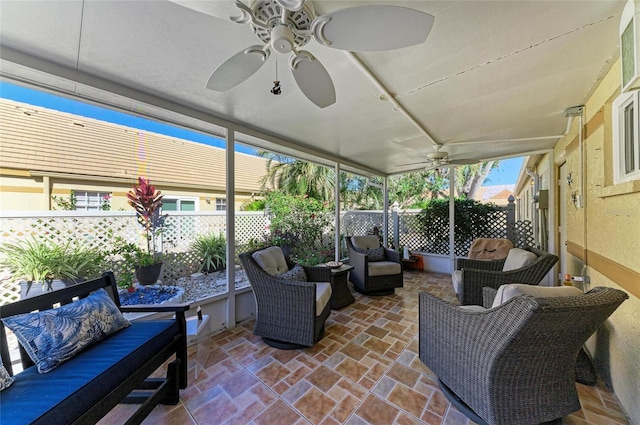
{"type": "Point", "coordinates": [284, 26]}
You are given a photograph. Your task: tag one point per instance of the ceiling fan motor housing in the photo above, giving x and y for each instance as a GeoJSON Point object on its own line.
{"type": "Point", "coordinates": [282, 38]}
{"type": "Point", "coordinates": [269, 12]}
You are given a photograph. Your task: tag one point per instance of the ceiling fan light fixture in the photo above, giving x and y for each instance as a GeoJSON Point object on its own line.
{"type": "Point", "coordinates": [282, 39]}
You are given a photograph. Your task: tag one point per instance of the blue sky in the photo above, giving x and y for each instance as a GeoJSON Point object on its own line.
{"type": "Point", "coordinates": [506, 173]}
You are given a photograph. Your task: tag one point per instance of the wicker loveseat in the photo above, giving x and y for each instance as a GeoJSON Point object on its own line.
{"type": "Point", "coordinates": [471, 276]}
{"type": "Point", "coordinates": [291, 311]}
{"type": "Point", "coordinates": [514, 363]}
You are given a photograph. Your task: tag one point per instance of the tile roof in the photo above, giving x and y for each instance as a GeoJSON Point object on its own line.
{"type": "Point", "coordinates": [43, 140]}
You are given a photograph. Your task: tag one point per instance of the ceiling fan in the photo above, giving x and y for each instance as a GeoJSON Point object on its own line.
{"type": "Point", "coordinates": [284, 26]}
{"type": "Point", "coordinates": [441, 158]}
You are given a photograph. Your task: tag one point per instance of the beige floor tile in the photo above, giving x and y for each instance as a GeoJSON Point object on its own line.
{"type": "Point", "coordinates": [365, 371]}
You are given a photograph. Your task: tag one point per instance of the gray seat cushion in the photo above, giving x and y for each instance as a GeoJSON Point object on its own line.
{"type": "Point", "coordinates": [384, 268]}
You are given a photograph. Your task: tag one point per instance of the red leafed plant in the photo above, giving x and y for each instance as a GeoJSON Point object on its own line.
{"type": "Point", "coordinates": [147, 201]}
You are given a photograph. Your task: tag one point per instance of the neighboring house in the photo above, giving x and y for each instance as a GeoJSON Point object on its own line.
{"type": "Point", "coordinates": [593, 177]}
{"type": "Point", "coordinates": [495, 194]}
{"type": "Point", "coordinates": [47, 154]}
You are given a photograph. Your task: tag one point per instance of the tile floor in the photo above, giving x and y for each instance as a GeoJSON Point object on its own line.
{"type": "Point", "coordinates": [365, 370]}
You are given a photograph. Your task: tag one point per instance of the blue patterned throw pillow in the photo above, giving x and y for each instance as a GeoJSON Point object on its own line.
{"type": "Point", "coordinates": [296, 273]}
{"type": "Point", "coordinates": [51, 337]}
{"type": "Point", "coordinates": [5, 379]}
{"type": "Point", "coordinates": [374, 254]}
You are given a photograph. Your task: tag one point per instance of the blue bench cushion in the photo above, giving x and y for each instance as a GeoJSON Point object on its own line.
{"type": "Point", "coordinates": [75, 386]}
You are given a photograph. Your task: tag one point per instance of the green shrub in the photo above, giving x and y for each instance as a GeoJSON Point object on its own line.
{"type": "Point", "coordinates": [300, 223]}
{"type": "Point", "coordinates": [212, 249]}
{"type": "Point", "coordinates": [40, 260]}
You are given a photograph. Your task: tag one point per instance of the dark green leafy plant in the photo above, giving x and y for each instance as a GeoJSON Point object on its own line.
{"type": "Point", "coordinates": [472, 220]}
{"type": "Point", "coordinates": [42, 260]}
{"type": "Point", "coordinates": [300, 224]}
{"type": "Point", "coordinates": [212, 249]}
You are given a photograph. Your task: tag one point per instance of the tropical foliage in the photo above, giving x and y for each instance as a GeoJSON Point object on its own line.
{"type": "Point", "coordinates": [412, 190]}
{"type": "Point", "coordinates": [212, 250]}
{"type": "Point", "coordinates": [472, 220]}
{"type": "Point", "coordinates": [302, 224]}
{"type": "Point", "coordinates": [147, 201]}
{"type": "Point", "coordinates": [36, 260]}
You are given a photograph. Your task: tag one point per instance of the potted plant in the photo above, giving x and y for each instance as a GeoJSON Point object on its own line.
{"type": "Point", "coordinates": [50, 266]}
{"type": "Point", "coordinates": [212, 250]}
{"type": "Point", "coordinates": [147, 201]}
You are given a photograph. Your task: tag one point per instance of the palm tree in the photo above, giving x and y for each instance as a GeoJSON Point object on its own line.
{"type": "Point", "coordinates": [295, 177]}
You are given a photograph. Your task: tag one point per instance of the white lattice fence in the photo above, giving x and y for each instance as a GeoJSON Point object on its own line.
{"type": "Point", "coordinates": [99, 230]}
{"type": "Point", "coordinates": [357, 223]}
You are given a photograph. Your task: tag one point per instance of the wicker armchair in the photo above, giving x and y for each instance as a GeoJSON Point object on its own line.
{"type": "Point", "coordinates": [374, 277]}
{"type": "Point", "coordinates": [512, 364]}
{"type": "Point", "coordinates": [472, 275]}
{"type": "Point", "coordinates": [287, 310]}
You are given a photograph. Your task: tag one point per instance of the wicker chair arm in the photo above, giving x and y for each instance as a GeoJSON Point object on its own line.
{"type": "Point", "coordinates": [492, 359]}
{"type": "Point", "coordinates": [462, 340]}
{"type": "Point", "coordinates": [467, 263]}
{"type": "Point", "coordinates": [488, 296]}
{"type": "Point", "coordinates": [357, 259]}
{"type": "Point", "coordinates": [317, 273]}
{"type": "Point", "coordinates": [473, 280]}
{"type": "Point", "coordinates": [391, 255]}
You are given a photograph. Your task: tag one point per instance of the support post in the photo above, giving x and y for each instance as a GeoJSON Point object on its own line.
{"type": "Point", "coordinates": [385, 213]}
{"type": "Point", "coordinates": [231, 228]}
{"type": "Point", "coordinates": [336, 194]}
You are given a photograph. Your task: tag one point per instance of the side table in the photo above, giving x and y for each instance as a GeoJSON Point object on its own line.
{"type": "Point", "coordinates": [195, 328]}
{"type": "Point", "coordinates": [414, 262]}
{"type": "Point", "coordinates": [341, 296]}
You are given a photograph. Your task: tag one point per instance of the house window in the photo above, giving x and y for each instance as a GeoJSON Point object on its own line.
{"type": "Point", "coordinates": [626, 120]}
{"type": "Point", "coordinates": [91, 201]}
{"type": "Point", "coordinates": [178, 204]}
{"type": "Point", "coordinates": [221, 204]}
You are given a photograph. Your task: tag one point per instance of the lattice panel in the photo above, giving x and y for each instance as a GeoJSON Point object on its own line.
{"type": "Point", "coordinates": [357, 223]}
{"type": "Point", "coordinates": [523, 234]}
{"type": "Point", "coordinates": [99, 229]}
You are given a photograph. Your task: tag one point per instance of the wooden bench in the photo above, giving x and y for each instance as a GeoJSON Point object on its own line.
{"type": "Point", "coordinates": [114, 370]}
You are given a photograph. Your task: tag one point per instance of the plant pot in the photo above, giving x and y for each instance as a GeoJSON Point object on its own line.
{"type": "Point", "coordinates": [148, 275]}
{"type": "Point", "coordinates": [30, 289]}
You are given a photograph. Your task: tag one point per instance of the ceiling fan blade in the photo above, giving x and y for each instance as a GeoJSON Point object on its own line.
{"type": "Point", "coordinates": [465, 161]}
{"type": "Point", "coordinates": [222, 9]}
{"type": "Point", "coordinates": [372, 28]}
{"type": "Point", "coordinates": [237, 68]}
{"type": "Point", "coordinates": [313, 79]}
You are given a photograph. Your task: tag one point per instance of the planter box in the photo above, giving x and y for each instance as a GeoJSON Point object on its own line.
{"type": "Point", "coordinates": [30, 289]}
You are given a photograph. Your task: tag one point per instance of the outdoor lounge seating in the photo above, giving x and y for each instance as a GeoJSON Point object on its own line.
{"type": "Point", "coordinates": [527, 266]}
{"type": "Point", "coordinates": [514, 363]}
{"type": "Point", "coordinates": [377, 270]}
{"type": "Point", "coordinates": [489, 248]}
{"type": "Point", "coordinates": [79, 377]}
{"type": "Point", "coordinates": [293, 301]}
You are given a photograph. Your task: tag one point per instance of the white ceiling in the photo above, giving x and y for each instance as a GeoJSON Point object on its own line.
{"type": "Point", "coordinates": [489, 71]}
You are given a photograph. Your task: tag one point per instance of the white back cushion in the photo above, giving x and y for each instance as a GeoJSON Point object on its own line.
{"type": "Point", "coordinates": [365, 242]}
{"type": "Point", "coordinates": [271, 260]}
{"type": "Point", "coordinates": [508, 291]}
{"type": "Point", "coordinates": [518, 258]}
